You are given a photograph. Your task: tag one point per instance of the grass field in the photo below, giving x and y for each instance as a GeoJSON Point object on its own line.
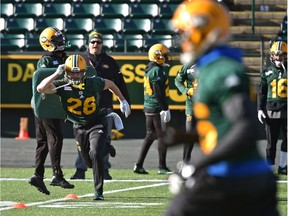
{"type": "Point", "coordinates": [127, 194]}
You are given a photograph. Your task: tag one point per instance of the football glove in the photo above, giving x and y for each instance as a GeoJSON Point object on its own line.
{"type": "Point", "coordinates": [190, 92]}
{"type": "Point", "coordinates": [261, 115]}
{"type": "Point", "coordinates": [165, 115]}
{"type": "Point", "coordinates": [125, 108]}
{"type": "Point", "coordinates": [61, 68]}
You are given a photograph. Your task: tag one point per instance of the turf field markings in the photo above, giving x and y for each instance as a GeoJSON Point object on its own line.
{"type": "Point", "coordinates": [89, 180]}
{"type": "Point", "coordinates": [89, 195]}
{"type": "Point", "coordinates": [100, 204]}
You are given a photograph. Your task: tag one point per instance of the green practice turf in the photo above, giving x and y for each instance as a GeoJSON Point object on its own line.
{"type": "Point", "coordinates": [127, 194]}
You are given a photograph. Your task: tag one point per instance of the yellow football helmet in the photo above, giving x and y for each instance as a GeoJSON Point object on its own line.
{"type": "Point", "coordinates": [278, 48]}
{"type": "Point", "coordinates": [52, 39]}
{"type": "Point", "coordinates": [75, 69]}
{"type": "Point", "coordinates": [201, 24]}
{"type": "Point", "coordinates": [158, 53]}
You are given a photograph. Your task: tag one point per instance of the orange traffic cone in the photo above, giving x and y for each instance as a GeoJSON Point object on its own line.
{"type": "Point", "coordinates": [19, 205]}
{"type": "Point", "coordinates": [23, 132]}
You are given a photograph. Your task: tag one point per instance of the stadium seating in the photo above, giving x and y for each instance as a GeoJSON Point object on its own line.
{"type": "Point", "coordinates": [78, 25]}
{"type": "Point", "coordinates": [111, 10]}
{"type": "Point", "coordinates": [20, 25]}
{"type": "Point", "coordinates": [86, 10]}
{"type": "Point", "coordinates": [136, 26]}
{"type": "Point", "coordinates": [77, 42]}
{"type": "Point", "coordinates": [129, 43]}
{"type": "Point", "coordinates": [108, 25]}
{"type": "Point", "coordinates": [166, 10]}
{"type": "Point", "coordinates": [144, 11]}
{"type": "Point", "coordinates": [108, 42]}
{"type": "Point", "coordinates": [2, 25]}
{"type": "Point", "coordinates": [32, 42]}
{"type": "Point", "coordinates": [12, 42]}
{"type": "Point", "coordinates": [162, 26]}
{"type": "Point", "coordinates": [7, 10]}
{"type": "Point", "coordinates": [42, 23]}
{"type": "Point", "coordinates": [58, 10]}
{"type": "Point", "coordinates": [29, 10]}
{"type": "Point", "coordinates": [167, 40]}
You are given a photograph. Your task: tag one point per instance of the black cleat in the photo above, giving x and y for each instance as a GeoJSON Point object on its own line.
{"type": "Point", "coordinates": [61, 182]}
{"type": "Point", "coordinates": [282, 170]}
{"type": "Point", "coordinates": [79, 174]}
{"type": "Point", "coordinates": [112, 151]}
{"type": "Point", "coordinates": [107, 176]}
{"type": "Point", "coordinates": [38, 182]}
{"type": "Point", "coordinates": [139, 170]}
{"type": "Point", "coordinates": [98, 196]}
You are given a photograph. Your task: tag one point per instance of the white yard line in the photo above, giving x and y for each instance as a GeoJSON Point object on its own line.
{"type": "Point", "coordinates": [89, 195]}
{"type": "Point", "coordinates": [89, 180]}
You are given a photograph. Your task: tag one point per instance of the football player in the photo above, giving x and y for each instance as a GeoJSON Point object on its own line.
{"type": "Point", "coordinates": [156, 94]}
{"type": "Point", "coordinates": [48, 131]}
{"type": "Point", "coordinates": [80, 99]}
{"type": "Point", "coordinates": [231, 178]}
{"type": "Point", "coordinates": [186, 83]}
{"type": "Point", "coordinates": [272, 104]}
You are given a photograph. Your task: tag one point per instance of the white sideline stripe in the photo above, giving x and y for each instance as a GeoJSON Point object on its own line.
{"type": "Point", "coordinates": [106, 181]}
{"type": "Point", "coordinates": [89, 195]}
{"type": "Point", "coordinates": [89, 180]}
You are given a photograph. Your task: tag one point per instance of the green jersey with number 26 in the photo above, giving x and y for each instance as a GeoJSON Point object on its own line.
{"type": "Point", "coordinates": [81, 102]}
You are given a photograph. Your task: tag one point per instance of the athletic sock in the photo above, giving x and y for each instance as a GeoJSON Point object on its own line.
{"type": "Point", "coordinates": [283, 159]}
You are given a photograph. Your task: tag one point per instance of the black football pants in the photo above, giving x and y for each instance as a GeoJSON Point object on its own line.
{"type": "Point", "coordinates": [153, 131]}
{"type": "Point", "coordinates": [49, 139]}
{"type": "Point", "coordinates": [91, 143]}
{"type": "Point", "coordinates": [188, 147]}
{"type": "Point", "coordinates": [273, 129]}
{"type": "Point", "coordinates": [224, 196]}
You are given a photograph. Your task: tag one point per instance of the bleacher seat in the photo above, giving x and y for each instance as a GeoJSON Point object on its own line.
{"type": "Point", "coordinates": [32, 42]}
{"type": "Point", "coordinates": [144, 10]}
{"type": "Point", "coordinates": [108, 42]}
{"type": "Point", "coordinates": [129, 43]}
{"type": "Point", "coordinates": [163, 39]}
{"type": "Point", "coordinates": [111, 10]}
{"type": "Point", "coordinates": [78, 25]}
{"type": "Point", "coordinates": [7, 10]}
{"type": "Point", "coordinates": [29, 10]}
{"type": "Point", "coordinates": [86, 10]}
{"type": "Point", "coordinates": [137, 26]}
{"type": "Point", "coordinates": [20, 25]}
{"type": "Point", "coordinates": [108, 25]}
{"type": "Point", "coordinates": [12, 42]}
{"type": "Point", "coordinates": [42, 23]}
{"type": "Point", "coordinates": [162, 26]}
{"type": "Point", "coordinates": [77, 42]}
{"type": "Point", "coordinates": [2, 24]}
{"type": "Point", "coordinates": [167, 10]}
{"type": "Point", "coordinates": [61, 10]}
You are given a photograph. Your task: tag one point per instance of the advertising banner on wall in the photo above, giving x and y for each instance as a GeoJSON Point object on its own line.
{"type": "Point", "coordinates": [17, 72]}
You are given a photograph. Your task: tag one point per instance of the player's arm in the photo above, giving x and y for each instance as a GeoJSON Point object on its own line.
{"type": "Point", "coordinates": [179, 83]}
{"type": "Point", "coordinates": [46, 86]}
{"type": "Point", "coordinates": [124, 106]}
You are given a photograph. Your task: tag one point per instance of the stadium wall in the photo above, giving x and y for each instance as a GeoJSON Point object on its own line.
{"type": "Point", "coordinates": [16, 92]}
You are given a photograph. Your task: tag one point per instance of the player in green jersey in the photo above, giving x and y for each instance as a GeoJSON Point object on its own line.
{"type": "Point", "coordinates": [272, 104]}
{"type": "Point", "coordinates": [80, 99]}
{"type": "Point", "coordinates": [231, 178]}
{"type": "Point", "coordinates": [156, 94]}
{"type": "Point", "coordinates": [186, 83]}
